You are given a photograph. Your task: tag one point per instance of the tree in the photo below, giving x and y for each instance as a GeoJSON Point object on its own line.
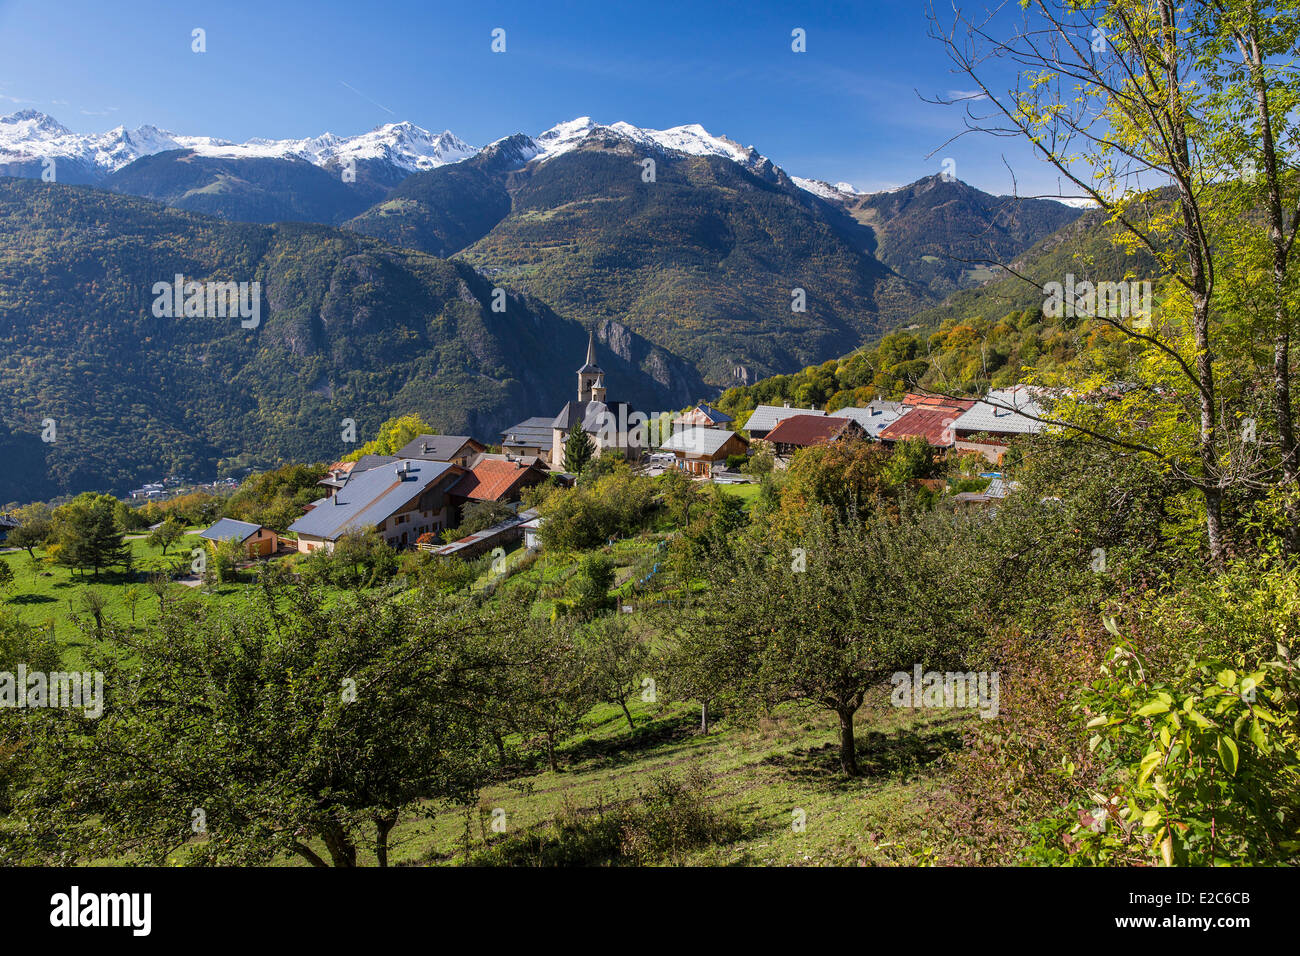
{"type": "Point", "coordinates": [166, 534]}
{"type": "Point", "coordinates": [1134, 104]}
{"type": "Point", "coordinates": [33, 528]}
{"type": "Point", "coordinates": [6, 575]}
{"type": "Point", "coordinates": [618, 658]}
{"type": "Point", "coordinates": [86, 531]}
{"type": "Point", "coordinates": [549, 688]}
{"type": "Point", "coordinates": [335, 720]}
{"type": "Point", "coordinates": [393, 435]}
{"type": "Point", "coordinates": [578, 450]}
{"type": "Point", "coordinates": [858, 600]}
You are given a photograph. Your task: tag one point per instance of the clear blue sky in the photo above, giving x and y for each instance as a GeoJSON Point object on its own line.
{"type": "Point", "coordinates": [846, 110]}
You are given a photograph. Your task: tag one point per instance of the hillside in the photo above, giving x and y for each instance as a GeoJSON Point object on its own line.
{"type": "Point", "coordinates": [702, 261]}
{"type": "Point", "coordinates": [943, 233]}
{"type": "Point", "coordinates": [350, 328]}
{"type": "Point", "coordinates": [993, 335]}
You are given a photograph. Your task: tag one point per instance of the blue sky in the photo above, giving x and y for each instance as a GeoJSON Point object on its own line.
{"type": "Point", "coordinates": [845, 110]}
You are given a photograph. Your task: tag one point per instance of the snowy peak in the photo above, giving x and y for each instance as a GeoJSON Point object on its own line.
{"type": "Point", "coordinates": [692, 139]}
{"type": "Point", "coordinates": [29, 135]}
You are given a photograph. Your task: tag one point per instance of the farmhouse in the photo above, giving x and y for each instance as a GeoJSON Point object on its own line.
{"type": "Point", "coordinates": [257, 540]}
{"type": "Point", "coordinates": [700, 449]}
{"type": "Point", "coordinates": [401, 501]}
{"type": "Point", "coordinates": [804, 431]}
{"type": "Point", "coordinates": [929, 419]}
{"type": "Point", "coordinates": [766, 417]}
{"type": "Point", "coordinates": [990, 423]}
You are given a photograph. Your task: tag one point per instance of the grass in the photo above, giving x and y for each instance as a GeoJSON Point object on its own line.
{"type": "Point", "coordinates": [52, 598]}
{"type": "Point", "coordinates": [764, 778]}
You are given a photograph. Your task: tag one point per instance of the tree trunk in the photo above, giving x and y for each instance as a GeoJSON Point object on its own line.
{"type": "Point", "coordinates": [383, 825]}
{"type": "Point", "coordinates": [341, 849]}
{"type": "Point", "coordinates": [704, 716]}
{"type": "Point", "coordinates": [848, 746]}
{"type": "Point", "coordinates": [628, 714]}
{"type": "Point", "coordinates": [550, 752]}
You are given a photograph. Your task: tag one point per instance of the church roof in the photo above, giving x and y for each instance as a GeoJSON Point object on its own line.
{"type": "Point", "coordinates": [590, 414]}
{"type": "Point", "coordinates": [590, 365]}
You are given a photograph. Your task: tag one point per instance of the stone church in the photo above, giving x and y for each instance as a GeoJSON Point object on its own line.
{"type": "Point", "coordinates": [611, 426]}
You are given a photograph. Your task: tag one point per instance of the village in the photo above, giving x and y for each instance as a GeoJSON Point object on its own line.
{"type": "Point", "coordinates": [412, 497]}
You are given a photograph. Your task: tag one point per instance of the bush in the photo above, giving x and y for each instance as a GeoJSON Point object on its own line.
{"type": "Point", "coordinates": [674, 819]}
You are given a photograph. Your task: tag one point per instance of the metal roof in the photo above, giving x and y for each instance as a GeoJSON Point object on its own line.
{"type": "Point", "coordinates": [532, 432]}
{"type": "Point", "coordinates": [987, 416]}
{"type": "Point", "coordinates": [874, 418]}
{"type": "Point", "coordinates": [766, 417]}
{"type": "Point", "coordinates": [697, 440]}
{"type": "Point", "coordinates": [435, 447]}
{"type": "Point", "coordinates": [935, 425]}
{"type": "Point", "coordinates": [809, 430]}
{"type": "Point", "coordinates": [228, 529]}
{"type": "Point", "coordinates": [372, 496]}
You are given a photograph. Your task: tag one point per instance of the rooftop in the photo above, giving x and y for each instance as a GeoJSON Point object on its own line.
{"type": "Point", "coordinates": [435, 447]}
{"type": "Point", "coordinates": [228, 529]}
{"type": "Point", "coordinates": [766, 417]}
{"type": "Point", "coordinates": [697, 440]}
{"type": "Point", "coordinates": [370, 497]}
{"type": "Point", "coordinates": [808, 430]}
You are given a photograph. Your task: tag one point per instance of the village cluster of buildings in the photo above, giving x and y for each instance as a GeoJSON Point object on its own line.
{"type": "Point", "coordinates": [409, 498]}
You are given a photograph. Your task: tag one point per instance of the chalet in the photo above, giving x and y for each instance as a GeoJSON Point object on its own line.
{"type": "Point", "coordinates": [874, 417]}
{"type": "Point", "coordinates": [457, 449]}
{"type": "Point", "coordinates": [699, 449]}
{"type": "Point", "coordinates": [7, 524]}
{"type": "Point", "coordinates": [531, 437]}
{"type": "Point", "coordinates": [607, 424]}
{"type": "Point", "coordinates": [258, 541]}
{"type": "Point", "coordinates": [401, 501]}
{"type": "Point", "coordinates": [702, 416]}
{"type": "Point", "coordinates": [766, 417]}
{"type": "Point", "coordinates": [499, 478]}
{"type": "Point", "coordinates": [804, 431]}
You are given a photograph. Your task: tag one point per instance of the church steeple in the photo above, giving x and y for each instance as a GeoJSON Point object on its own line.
{"type": "Point", "coordinates": [590, 376]}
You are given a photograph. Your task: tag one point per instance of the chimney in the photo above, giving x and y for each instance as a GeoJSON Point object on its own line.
{"type": "Point", "coordinates": [424, 448]}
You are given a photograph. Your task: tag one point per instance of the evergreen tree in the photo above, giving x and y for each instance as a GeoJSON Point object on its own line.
{"type": "Point", "coordinates": [578, 451]}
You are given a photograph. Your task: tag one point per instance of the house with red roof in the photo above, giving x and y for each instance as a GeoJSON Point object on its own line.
{"type": "Point", "coordinates": [805, 431]}
{"type": "Point", "coordinates": [499, 478]}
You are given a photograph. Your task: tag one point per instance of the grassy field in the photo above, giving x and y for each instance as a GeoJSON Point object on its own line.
{"type": "Point", "coordinates": [762, 777]}
{"type": "Point", "coordinates": [51, 596]}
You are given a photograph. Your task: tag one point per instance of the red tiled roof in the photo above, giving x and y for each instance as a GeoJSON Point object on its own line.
{"type": "Point", "coordinates": [806, 430]}
{"type": "Point", "coordinates": [932, 424]}
{"type": "Point", "coordinates": [492, 480]}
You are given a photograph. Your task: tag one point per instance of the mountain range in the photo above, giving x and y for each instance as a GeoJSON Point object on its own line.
{"type": "Point", "coordinates": [379, 257]}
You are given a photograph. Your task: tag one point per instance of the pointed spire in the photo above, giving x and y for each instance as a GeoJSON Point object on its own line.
{"type": "Point", "coordinates": [590, 365]}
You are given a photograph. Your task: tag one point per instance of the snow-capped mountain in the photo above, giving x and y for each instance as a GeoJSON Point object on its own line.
{"type": "Point", "coordinates": [29, 136]}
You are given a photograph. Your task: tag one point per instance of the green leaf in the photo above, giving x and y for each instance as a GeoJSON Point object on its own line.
{"type": "Point", "coordinates": [1228, 753]}
{"type": "Point", "coordinates": [1154, 707]}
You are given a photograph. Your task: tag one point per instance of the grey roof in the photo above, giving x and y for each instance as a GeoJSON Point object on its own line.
{"type": "Point", "coordinates": [766, 417]}
{"type": "Point", "coordinates": [698, 440]}
{"type": "Point", "coordinates": [228, 529]}
{"type": "Point", "coordinates": [874, 417]}
{"type": "Point", "coordinates": [434, 447]}
{"type": "Point", "coordinates": [996, 418]}
{"type": "Point", "coordinates": [370, 497]}
{"type": "Point", "coordinates": [591, 414]}
{"type": "Point", "coordinates": [530, 433]}
{"type": "Point", "coordinates": [367, 462]}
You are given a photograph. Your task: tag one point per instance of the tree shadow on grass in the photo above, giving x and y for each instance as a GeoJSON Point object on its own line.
{"type": "Point", "coordinates": [32, 599]}
{"type": "Point", "coordinates": [899, 753]}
